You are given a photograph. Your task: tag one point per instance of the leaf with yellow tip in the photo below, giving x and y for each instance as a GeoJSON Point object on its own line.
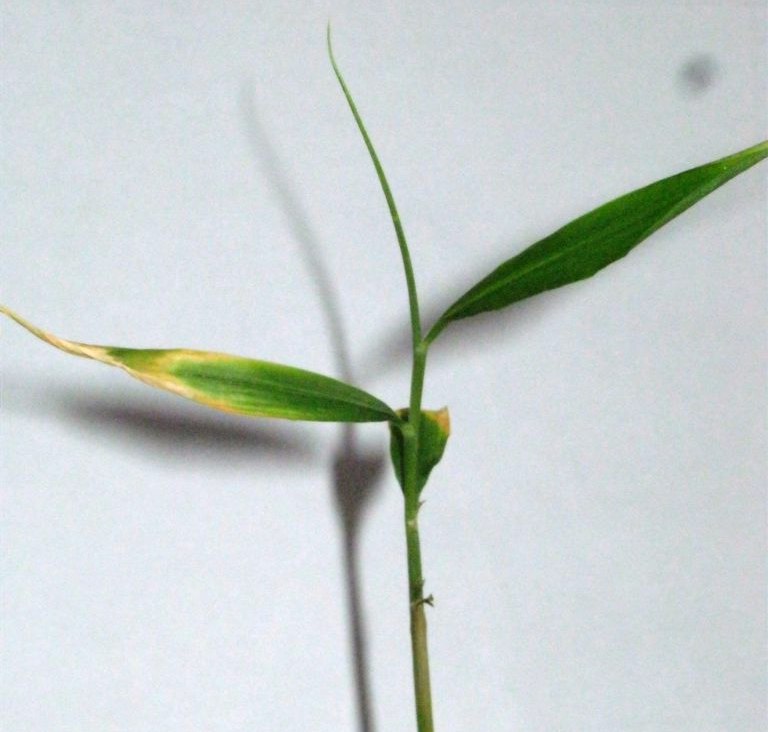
{"type": "Point", "coordinates": [232, 383]}
{"type": "Point", "coordinates": [434, 431]}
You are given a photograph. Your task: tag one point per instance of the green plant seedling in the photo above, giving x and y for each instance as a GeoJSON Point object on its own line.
{"type": "Point", "coordinates": [418, 437]}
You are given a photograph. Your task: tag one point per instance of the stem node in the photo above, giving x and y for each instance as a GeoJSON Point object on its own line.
{"type": "Point", "coordinates": [428, 600]}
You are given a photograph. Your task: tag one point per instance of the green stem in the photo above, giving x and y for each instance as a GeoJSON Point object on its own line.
{"type": "Point", "coordinates": [416, 599]}
{"type": "Point", "coordinates": [410, 432]}
{"type": "Point", "coordinates": [419, 650]}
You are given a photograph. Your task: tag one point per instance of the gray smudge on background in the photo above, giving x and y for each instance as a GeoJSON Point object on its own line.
{"type": "Point", "coordinates": [698, 73]}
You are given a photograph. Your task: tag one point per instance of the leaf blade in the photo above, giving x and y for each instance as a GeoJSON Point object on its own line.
{"type": "Point", "coordinates": [600, 237]}
{"type": "Point", "coordinates": [402, 242]}
{"type": "Point", "coordinates": [232, 383]}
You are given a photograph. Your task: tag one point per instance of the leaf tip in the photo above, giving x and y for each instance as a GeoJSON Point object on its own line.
{"type": "Point", "coordinates": [329, 42]}
{"type": "Point", "coordinates": [442, 418]}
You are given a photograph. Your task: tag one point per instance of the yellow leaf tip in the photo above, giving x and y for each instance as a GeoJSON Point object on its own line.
{"type": "Point", "coordinates": [442, 418]}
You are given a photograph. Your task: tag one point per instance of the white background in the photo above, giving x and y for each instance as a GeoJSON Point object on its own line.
{"type": "Point", "coordinates": [182, 174]}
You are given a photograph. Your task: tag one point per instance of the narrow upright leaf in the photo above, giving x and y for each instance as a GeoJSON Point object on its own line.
{"type": "Point", "coordinates": [405, 255]}
{"type": "Point", "coordinates": [233, 383]}
{"type": "Point", "coordinates": [434, 431]}
{"type": "Point", "coordinates": [591, 242]}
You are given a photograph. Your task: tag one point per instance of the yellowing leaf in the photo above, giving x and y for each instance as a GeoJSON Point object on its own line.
{"type": "Point", "coordinates": [233, 383]}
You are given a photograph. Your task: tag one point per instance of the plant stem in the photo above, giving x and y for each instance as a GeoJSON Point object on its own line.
{"type": "Point", "coordinates": [419, 650]}
{"type": "Point", "coordinates": [416, 599]}
{"type": "Point", "coordinates": [410, 432]}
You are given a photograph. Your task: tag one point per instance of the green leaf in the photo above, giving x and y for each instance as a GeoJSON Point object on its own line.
{"type": "Point", "coordinates": [405, 255]}
{"type": "Point", "coordinates": [591, 242]}
{"type": "Point", "coordinates": [233, 383]}
{"type": "Point", "coordinates": [434, 430]}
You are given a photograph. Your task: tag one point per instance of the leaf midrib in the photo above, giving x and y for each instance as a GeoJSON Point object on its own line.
{"type": "Point", "coordinates": [566, 251]}
{"type": "Point", "coordinates": [294, 389]}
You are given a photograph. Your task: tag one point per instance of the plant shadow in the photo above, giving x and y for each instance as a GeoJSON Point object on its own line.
{"type": "Point", "coordinates": [163, 431]}
{"type": "Point", "coordinates": [356, 474]}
